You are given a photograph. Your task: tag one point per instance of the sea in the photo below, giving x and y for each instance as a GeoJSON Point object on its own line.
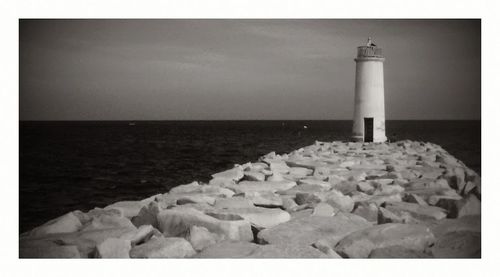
{"type": "Point", "coordinates": [79, 165]}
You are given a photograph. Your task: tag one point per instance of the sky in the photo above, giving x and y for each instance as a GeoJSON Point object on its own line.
{"type": "Point", "coordinates": [293, 69]}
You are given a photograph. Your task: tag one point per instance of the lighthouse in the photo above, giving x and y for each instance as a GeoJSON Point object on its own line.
{"type": "Point", "coordinates": [369, 111]}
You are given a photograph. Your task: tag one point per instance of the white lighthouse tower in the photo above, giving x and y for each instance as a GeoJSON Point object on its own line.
{"type": "Point", "coordinates": [369, 112]}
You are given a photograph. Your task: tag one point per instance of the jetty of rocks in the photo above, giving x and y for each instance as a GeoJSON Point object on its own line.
{"type": "Point", "coordinates": [404, 199]}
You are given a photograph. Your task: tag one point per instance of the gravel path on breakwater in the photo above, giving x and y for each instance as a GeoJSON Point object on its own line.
{"type": "Point", "coordinates": [405, 199]}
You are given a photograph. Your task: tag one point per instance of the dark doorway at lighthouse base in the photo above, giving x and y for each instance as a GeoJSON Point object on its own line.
{"type": "Point", "coordinates": [368, 129]}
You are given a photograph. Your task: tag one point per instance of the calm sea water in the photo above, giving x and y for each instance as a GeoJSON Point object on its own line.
{"type": "Point", "coordinates": [66, 166]}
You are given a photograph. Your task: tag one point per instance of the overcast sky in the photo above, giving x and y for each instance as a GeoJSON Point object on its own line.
{"type": "Point", "coordinates": [243, 69]}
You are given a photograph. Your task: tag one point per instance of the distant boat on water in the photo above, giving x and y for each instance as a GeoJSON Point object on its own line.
{"type": "Point", "coordinates": [131, 124]}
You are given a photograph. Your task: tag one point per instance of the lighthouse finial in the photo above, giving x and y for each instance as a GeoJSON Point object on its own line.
{"type": "Point", "coordinates": [370, 42]}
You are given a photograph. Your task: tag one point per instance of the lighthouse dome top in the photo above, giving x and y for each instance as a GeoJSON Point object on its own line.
{"type": "Point", "coordinates": [370, 50]}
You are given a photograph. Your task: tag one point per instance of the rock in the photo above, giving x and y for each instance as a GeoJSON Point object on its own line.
{"type": "Point", "coordinates": [302, 189]}
{"type": "Point", "coordinates": [228, 249]}
{"type": "Point", "coordinates": [194, 186]}
{"type": "Point", "coordinates": [397, 252]}
{"type": "Point", "coordinates": [286, 251]}
{"type": "Point", "coordinates": [361, 243]}
{"type": "Point", "coordinates": [257, 166]}
{"type": "Point", "coordinates": [414, 198]}
{"type": "Point", "coordinates": [430, 172]}
{"type": "Point", "coordinates": [456, 178]}
{"type": "Point", "coordinates": [278, 166]}
{"type": "Point", "coordinates": [311, 181]}
{"type": "Point", "coordinates": [337, 200]}
{"type": "Point", "coordinates": [48, 250]}
{"type": "Point", "coordinates": [324, 247]}
{"type": "Point", "coordinates": [347, 187]}
{"type": "Point", "coordinates": [289, 203]}
{"type": "Point", "coordinates": [196, 198]}
{"type": "Point", "coordinates": [305, 163]}
{"type": "Point", "coordinates": [147, 215]}
{"type": "Point", "coordinates": [302, 198]}
{"type": "Point", "coordinates": [247, 186]}
{"type": "Point", "coordinates": [384, 189]}
{"type": "Point", "coordinates": [200, 238]}
{"type": "Point", "coordinates": [234, 174]}
{"type": "Point", "coordinates": [254, 176]}
{"type": "Point", "coordinates": [460, 244]}
{"type": "Point", "coordinates": [275, 177]}
{"type": "Point", "coordinates": [161, 247]}
{"type": "Point", "coordinates": [458, 238]}
{"type": "Point", "coordinates": [386, 216]}
{"type": "Point", "coordinates": [114, 248]}
{"type": "Point", "coordinates": [300, 171]}
{"type": "Point", "coordinates": [471, 223]}
{"type": "Point", "coordinates": [379, 199]}
{"type": "Point", "coordinates": [128, 208]}
{"type": "Point", "coordinates": [323, 209]}
{"type": "Point", "coordinates": [86, 241]}
{"type": "Point", "coordinates": [143, 233]}
{"type": "Point", "coordinates": [309, 229]}
{"type": "Point", "coordinates": [365, 187]}
{"type": "Point", "coordinates": [368, 211]}
{"type": "Point", "coordinates": [300, 213]}
{"type": "Point", "coordinates": [471, 205]}
{"type": "Point", "coordinates": [335, 180]}
{"type": "Point", "coordinates": [264, 199]}
{"type": "Point", "coordinates": [416, 211]}
{"type": "Point", "coordinates": [96, 212]}
{"type": "Point", "coordinates": [107, 222]}
{"type": "Point", "coordinates": [233, 202]}
{"type": "Point", "coordinates": [428, 184]}
{"type": "Point", "coordinates": [258, 217]}
{"type": "Point", "coordinates": [178, 221]}
{"type": "Point", "coordinates": [67, 223]}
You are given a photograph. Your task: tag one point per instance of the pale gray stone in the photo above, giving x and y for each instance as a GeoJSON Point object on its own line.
{"type": "Point", "coordinates": [359, 244]}
{"type": "Point", "coordinates": [200, 237]}
{"type": "Point", "coordinates": [161, 247]}
{"type": "Point", "coordinates": [114, 248]}
{"type": "Point", "coordinates": [67, 223]}
{"type": "Point", "coordinates": [309, 229]}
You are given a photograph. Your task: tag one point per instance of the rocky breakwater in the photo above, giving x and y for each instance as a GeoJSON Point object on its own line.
{"type": "Point", "coordinates": [404, 199]}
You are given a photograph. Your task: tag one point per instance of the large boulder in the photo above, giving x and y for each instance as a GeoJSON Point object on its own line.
{"type": "Point", "coordinates": [178, 221]}
{"type": "Point", "coordinates": [129, 208]}
{"type": "Point", "coordinates": [418, 212]}
{"type": "Point", "coordinates": [458, 238]}
{"type": "Point", "coordinates": [254, 176]}
{"type": "Point", "coordinates": [272, 186]}
{"type": "Point", "coordinates": [264, 199]}
{"type": "Point", "coordinates": [337, 200]}
{"type": "Point", "coordinates": [360, 244]}
{"type": "Point", "coordinates": [286, 251]}
{"type": "Point", "coordinates": [161, 247]}
{"type": "Point", "coordinates": [114, 248]}
{"type": "Point", "coordinates": [234, 174]}
{"type": "Point", "coordinates": [397, 252]}
{"type": "Point", "coordinates": [309, 229]}
{"type": "Point", "coordinates": [147, 215]}
{"type": "Point", "coordinates": [107, 222]}
{"type": "Point", "coordinates": [323, 209]}
{"type": "Point", "coordinates": [46, 249]}
{"type": "Point", "coordinates": [200, 238]}
{"type": "Point", "coordinates": [233, 202]}
{"type": "Point", "coordinates": [67, 223]}
{"type": "Point", "coordinates": [228, 249]}
{"type": "Point", "coordinates": [259, 217]}
{"type": "Point", "coordinates": [368, 211]}
{"type": "Point", "coordinates": [461, 244]}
